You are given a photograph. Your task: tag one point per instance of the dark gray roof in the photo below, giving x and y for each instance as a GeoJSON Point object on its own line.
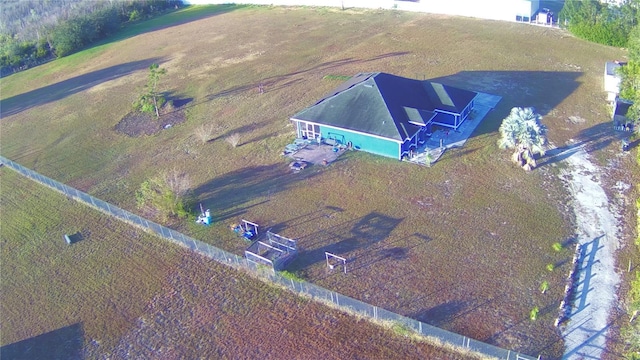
{"type": "Point", "coordinates": [385, 105]}
{"type": "Point", "coordinates": [611, 67]}
{"type": "Point", "coordinates": [622, 107]}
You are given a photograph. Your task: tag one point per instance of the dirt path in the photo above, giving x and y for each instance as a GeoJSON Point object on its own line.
{"type": "Point", "coordinates": [597, 281]}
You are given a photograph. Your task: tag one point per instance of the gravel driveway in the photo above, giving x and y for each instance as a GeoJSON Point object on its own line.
{"type": "Point", "coordinates": [596, 280]}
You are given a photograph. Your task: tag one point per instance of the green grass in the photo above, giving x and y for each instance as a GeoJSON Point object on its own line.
{"type": "Point", "coordinates": [438, 237]}
{"type": "Point", "coordinates": [336, 77]}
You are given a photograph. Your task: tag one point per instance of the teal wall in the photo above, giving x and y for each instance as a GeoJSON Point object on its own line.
{"type": "Point", "coordinates": [363, 142]}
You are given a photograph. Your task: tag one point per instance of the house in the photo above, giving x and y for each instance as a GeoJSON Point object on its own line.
{"type": "Point", "coordinates": [506, 10]}
{"type": "Point", "coordinates": [612, 79]}
{"type": "Point", "coordinates": [545, 16]}
{"type": "Point", "coordinates": [384, 114]}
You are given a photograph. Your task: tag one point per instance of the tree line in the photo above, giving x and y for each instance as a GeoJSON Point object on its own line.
{"type": "Point", "coordinates": [630, 85]}
{"type": "Point", "coordinates": [601, 22]}
{"type": "Point", "coordinates": [615, 24]}
{"type": "Point", "coordinates": [35, 31]}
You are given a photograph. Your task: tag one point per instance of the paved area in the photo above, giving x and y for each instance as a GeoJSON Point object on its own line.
{"type": "Point", "coordinates": [317, 154]}
{"type": "Point", "coordinates": [587, 328]}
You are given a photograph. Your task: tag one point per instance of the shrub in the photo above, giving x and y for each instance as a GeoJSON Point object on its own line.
{"type": "Point", "coordinates": [533, 314]}
{"type": "Point", "coordinates": [550, 267]}
{"type": "Point", "coordinates": [167, 194]}
{"type": "Point", "coordinates": [544, 286]}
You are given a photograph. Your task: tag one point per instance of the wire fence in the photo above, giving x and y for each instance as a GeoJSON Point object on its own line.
{"type": "Point", "coordinates": [301, 287]}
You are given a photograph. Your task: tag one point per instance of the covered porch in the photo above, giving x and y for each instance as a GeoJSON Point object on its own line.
{"type": "Point", "coordinates": [446, 137]}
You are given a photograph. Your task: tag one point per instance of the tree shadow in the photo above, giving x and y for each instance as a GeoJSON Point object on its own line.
{"type": "Point", "coordinates": [592, 139]}
{"type": "Point", "coordinates": [543, 90]}
{"type": "Point", "coordinates": [226, 195]}
{"type": "Point", "coordinates": [64, 343]}
{"type": "Point", "coordinates": [441, 315]}
{"type": "Point", "coordinates": [60, 90]}
{"type": "Point", "coordinates": [326, 212]}
{"type": "Point", "coordinates": [175, 99]}
{"type": "Point", "coordinates": [240, 131]}
{"type": "Point", "coordinates": [351, 235]}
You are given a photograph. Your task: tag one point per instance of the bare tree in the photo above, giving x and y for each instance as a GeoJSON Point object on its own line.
{"type": "Point", "coordinates": [233, 139]}
{"type": "Point", "coordinates": [204, 132]}
{"type": "Point", "coordinates": [177, 181]}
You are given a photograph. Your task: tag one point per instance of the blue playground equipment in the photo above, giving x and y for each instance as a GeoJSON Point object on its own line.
{"type": "Point", "coordinates": [205, 216]}
{"type": "Point", "coordinates": [247, 229]}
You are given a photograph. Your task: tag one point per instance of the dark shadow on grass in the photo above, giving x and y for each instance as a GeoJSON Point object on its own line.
{"type": "Point", "coordinates": [240, 131]}
{"type": "Point", "coordinates": [236, 191]}
{"type": "Point", "coordinates": [441, 315]}
{"type": "Point", "coordinates": [592, 139]}
{"type": "Point", "coordinates": [60, 90]}
{"type": "Point", "coordinates": [325, 212]}
{"type": "Point", "coordinates": [543, 90]}
{"type": "Point", "coordinates": [385, 251]}
{"type": "Point", "coordinates": [64, 344]}
{"type": "Point", "coordinates": [351, 235]}
{"type": "Point", "coordinates": [170, 19]}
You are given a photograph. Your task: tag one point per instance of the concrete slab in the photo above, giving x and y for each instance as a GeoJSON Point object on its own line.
{"type": "Point", "coordinates": [317, 154]}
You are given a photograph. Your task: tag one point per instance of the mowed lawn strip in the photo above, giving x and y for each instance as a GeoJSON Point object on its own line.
{"type": "Point", "coordinates": [467, 239]}
{"type": "Point", "coordinates": [130, 294]}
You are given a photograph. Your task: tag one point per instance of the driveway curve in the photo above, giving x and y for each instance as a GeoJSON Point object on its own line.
{"type": "Point", "coordinates": [596, 279]}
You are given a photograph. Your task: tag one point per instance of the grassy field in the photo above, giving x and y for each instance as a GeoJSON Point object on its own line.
{"type": "Point", "coordinates": [121, 293]}
{"type": "Point", "coordinates": [463, 245]}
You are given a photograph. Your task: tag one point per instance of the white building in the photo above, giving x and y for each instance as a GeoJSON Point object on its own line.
{"type": "Point", "coordinates": [507, 10]}
{"type": "Point", "coordinates": [612, 79]}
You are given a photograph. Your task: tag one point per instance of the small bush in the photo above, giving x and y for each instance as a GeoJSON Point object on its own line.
{"type": "Point", "coordinates": [533, 315]}
{"type": "Point", "coordinates": [550, 267]}
{"type": "Point", "coordinates": [544, 286]}
{"type": "Point", "coordinates": [167, 194]}
{"type": "Point", "coordinates": [401, 329]}
{"type": "Point", "coordinates": [291, 275]}
{"type": "Point", "coordinates": [557, 246]}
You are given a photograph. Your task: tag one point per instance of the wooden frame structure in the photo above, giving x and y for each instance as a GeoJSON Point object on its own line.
{"type": "Point", "coordinates": [275, 252]}
{"type": "Point", "coordinates": [329, 255]}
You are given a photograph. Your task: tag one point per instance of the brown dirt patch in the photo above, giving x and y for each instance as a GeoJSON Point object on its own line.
{"type": "Point", "coordinates": [137, 123]}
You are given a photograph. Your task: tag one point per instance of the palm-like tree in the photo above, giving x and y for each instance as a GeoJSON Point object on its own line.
{"type": "Point", "coordinates": [523, 132]}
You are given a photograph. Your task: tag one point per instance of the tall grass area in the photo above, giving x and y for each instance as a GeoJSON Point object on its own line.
{"type": "Point", "coordinates": [102, 282]}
